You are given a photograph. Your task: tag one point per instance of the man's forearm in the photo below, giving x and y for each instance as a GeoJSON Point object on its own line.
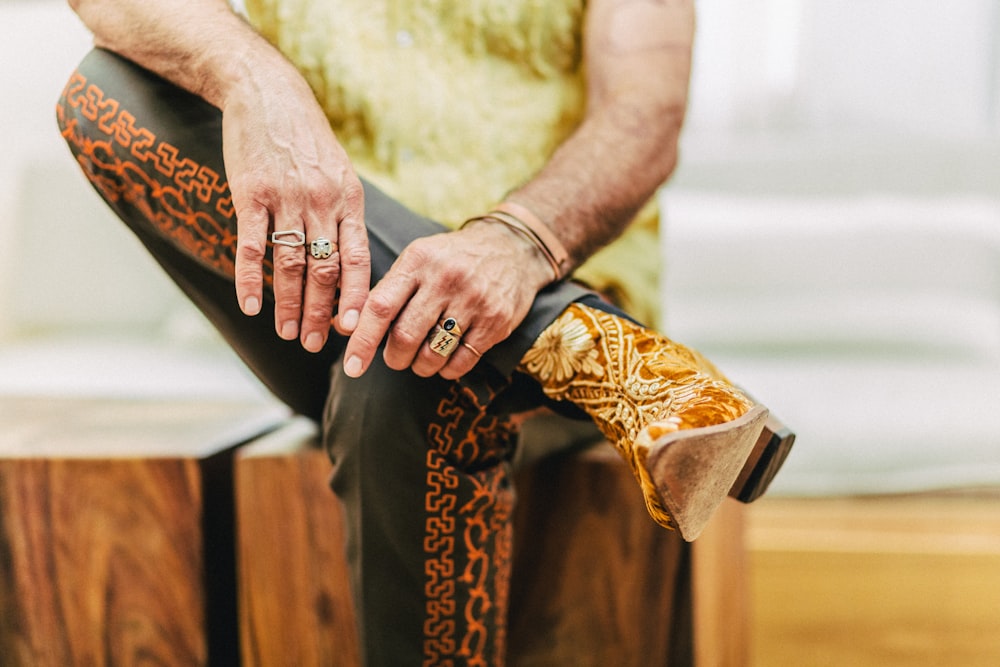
{"type": "Point", "coordinates": [598, 180]}
{"type": "Point", "coordinates": [638, 65]}
{"type": "Point", "coordinates": [199, 45]}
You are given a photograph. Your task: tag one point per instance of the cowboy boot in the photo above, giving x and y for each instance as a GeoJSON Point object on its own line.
{"type": "Point", "coordinates": [688, 434]}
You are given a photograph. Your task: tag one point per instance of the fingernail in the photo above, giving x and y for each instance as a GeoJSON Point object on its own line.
{"type": "Point", "coordinates": [353, 366]}
{"type": "Point", "coordinates": [251, 306]}
{"type": "Point", "coordinates": [290, 330]}
{"type": "Point", "coordinates": [349, 320]}
{"type": "Point", "coordinates": [314, 342]}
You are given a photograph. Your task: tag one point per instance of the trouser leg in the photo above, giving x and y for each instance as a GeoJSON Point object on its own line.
{"type": "Point", "coordinates": [430, 491]}
{"type": "Point", "coordinates": [422, 465]}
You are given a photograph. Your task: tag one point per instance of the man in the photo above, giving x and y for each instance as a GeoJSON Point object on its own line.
{"type": "Point", "coordinates": [542, 130]}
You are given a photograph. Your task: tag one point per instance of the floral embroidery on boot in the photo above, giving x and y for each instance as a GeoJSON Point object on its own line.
{"type": "Point", "coordinates": [632, 381]}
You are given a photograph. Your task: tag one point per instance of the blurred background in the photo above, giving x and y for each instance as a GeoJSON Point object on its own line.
{"type": "Point", "coordinates": [832, 240]}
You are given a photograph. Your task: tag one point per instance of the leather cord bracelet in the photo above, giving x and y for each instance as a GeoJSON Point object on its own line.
{"type": "Point", "coordinates": [522, 221]}
{"type": "Point", "coordinates": [521, 229]}
{"type": "Point", "coordinates": [551, 245]}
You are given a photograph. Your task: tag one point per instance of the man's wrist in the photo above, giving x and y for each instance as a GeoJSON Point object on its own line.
{"type": "Point", "coordinates": [535, 268]}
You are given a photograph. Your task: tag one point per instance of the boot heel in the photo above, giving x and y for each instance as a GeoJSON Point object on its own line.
{"type": "Point", "coordinates": [764, 462]}
{"type": "Point", "coordinates": [691, 470]}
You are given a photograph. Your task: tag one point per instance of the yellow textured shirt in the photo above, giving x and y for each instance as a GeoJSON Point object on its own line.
{"type": "Point", "coordinates": [447, 105]}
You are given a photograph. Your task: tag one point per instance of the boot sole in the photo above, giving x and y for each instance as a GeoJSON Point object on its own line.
{"type": "Point", "coordinates": [694, 470]}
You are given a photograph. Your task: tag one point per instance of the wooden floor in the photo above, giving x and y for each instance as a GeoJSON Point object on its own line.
{"type": "Point", "coordinates": [889, 581]}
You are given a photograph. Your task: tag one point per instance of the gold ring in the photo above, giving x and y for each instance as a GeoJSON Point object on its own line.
{"type": "Point", "coordinates": [450, 324]}
{"type": "Point", "coordinates": [322, 248]}
{"type": "Point", "coordinates": [442, 341]}
{"type": "Point", "coordinates": [472, 350]}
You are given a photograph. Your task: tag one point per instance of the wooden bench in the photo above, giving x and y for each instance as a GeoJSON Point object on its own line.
{"type": "Point", "coordinates": [116, 530]}
{"type": "Point", "coordinates": [595, 581]}
{"type": "Point", "coordinates": [174, 532]}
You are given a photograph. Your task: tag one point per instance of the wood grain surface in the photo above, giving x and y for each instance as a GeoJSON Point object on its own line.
{"type": "Point", "coordinates": [595, 581]}
{"type": "Point", "coordinates": [295, 603]}
{"type": "Point", "coordinates": [116, 531]}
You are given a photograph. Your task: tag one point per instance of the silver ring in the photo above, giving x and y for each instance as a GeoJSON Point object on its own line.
{"type": "Point", "coordinates": [277, 238]}
{"type": "Point", "coordinates": [442, 342]}
{"type": "Point", "coordinates": [450, 324]}
{"type": "Point", "coordinates": [322, 248]}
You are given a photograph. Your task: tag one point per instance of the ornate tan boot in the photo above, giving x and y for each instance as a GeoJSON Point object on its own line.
{"type": "Point", "coordinates": [685, 430]}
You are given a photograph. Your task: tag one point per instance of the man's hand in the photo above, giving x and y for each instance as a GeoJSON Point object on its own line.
{"type": "Point", "coordinates": [285, 168]}
{"type": "Point", "coordinates": [288, 173]}
{"type": "Point", "coordinates": [484, 276]}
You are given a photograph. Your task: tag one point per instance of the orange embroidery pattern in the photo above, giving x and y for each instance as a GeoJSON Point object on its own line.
{"type": "Point", "coordinates": [465, 587]}
{"type": "Point", "coordinates": [188, 203]}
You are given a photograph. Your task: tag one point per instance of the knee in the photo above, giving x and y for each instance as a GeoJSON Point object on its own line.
{"type": "Point", "coordinates": [93, 122]}
{"type": "Point", "coordinates": [86, 102]}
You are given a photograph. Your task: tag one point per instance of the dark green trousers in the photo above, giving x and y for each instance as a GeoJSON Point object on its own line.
{"type": "Point", "coordinates": [422, 465]}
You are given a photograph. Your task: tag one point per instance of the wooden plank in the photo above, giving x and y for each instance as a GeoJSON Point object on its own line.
{"type": "Point", "coordinates": [113, 530]}
{"type": "Point", "coordinates": [295, 603]}
{"type": "Point", "coordinates": [881, 581]}
{"type": "Point", "coordinates": [721, 591]}
{"type": "Point", "coordinates": [595, 581]}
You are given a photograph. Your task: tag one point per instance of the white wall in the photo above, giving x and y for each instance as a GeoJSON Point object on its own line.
{"type": "Point", "coordinates": [65, 263]}
{"type": "Point", "coordinates": [40, 42]}
{"type": "Point", "coordinates": [833, 233]}
{"type": "Point", "coordinates": [821, 97]}
{"type": "Point", "coordinates": [902, 66]}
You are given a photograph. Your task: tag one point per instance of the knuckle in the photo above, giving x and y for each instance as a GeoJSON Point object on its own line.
{"type": "Point", "coordinates": [252, 184]}
{"type": "Point", "coordinates": [380, 307]}
{"type": "Point", "coordinates": [318, 192]}
{"type": "Point", "coordinates": [418, 253]}
{"type": "Point", "coordinates": [288, 306]}
{"type": "Point", "coordinates": [325, 273]}
{"type": "Point", "coordinates": [403, 338]}
{"type": "Point", "coordinates": [290, 262]}
{"type": "Point", "coordinates": [356, 257]}
{"type": "Point", "coordinates": [353, 192]}
{"type": "Point", "coordinates": [364, 340]}
{"type": "Point", "coordinates": [494, 321]}
{"type": "Point", "coordinates": [252, 249]}
{"type": "Point", "coordinates": [317, 312]}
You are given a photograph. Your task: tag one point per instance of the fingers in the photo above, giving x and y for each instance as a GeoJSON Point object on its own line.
{"type": "Point", "coordinates": [314, 255]}
{"type": "Point", "coordinates": [411, 320]}
{"type": "Point", "coordinates": [461, 358]}
{"type": "Point", "coordinates": [251, 247]}
{"type": "Point", "coordinates": [415, 337]}
{"type": "Point", "coordinates": [289, 268]}
{"type": "Point", "coordinates": [355, 268]}
{"type": "Point", "coordinates": [308, 275]}
{"type": "Point", "coordinates": [291, 179]}
{"type": "Point", "coordinates": [384, 303]}
{"type": "Point", "coordinates": [452, 275]}
{"type": "Point", "coordinates": [323, 272]}
{"type": "Point", "coordinates": [462, 361]}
